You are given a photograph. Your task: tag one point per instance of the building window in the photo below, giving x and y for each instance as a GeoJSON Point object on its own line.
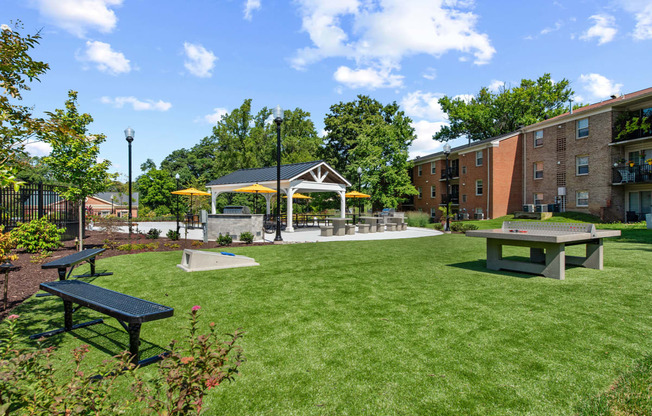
{"type": "Point", "coordinates": [464, 198]}
{"type": "Point", "coordinates": [538, 138]}
{"type": "Point", "coordinates": [419, 170]}
{"type": "Point", "coordinates": [478, 158]}
{"type": "Point", "coordinates": [433, 212]}
{"type": "Point", "coordinates": [582, 128]}
{"type": "Point", "coordinates": [463, 170]}
{"type": "Point", "coordinates": [582, 165]}
{"type": "Point", "coordinates": [582, 198]}
{"type": "Point", "coordinates": [538, 170]}
{"type": "Point", "coordinates": [420, 193]}
{"type": "Point", "coordinates": [433, 168]}
{"type": "Point", "coordinates": [478, 187]}
{"type": "Point", "coordinates": [433, 191]}
{"type": "Point", "coordinates": [538, 198]}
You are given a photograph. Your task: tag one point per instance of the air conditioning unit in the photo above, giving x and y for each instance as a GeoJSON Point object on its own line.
{"type": "Point", "coordinates": [528, 208]}
{"type": "Point", "coordinates": [541, 208]}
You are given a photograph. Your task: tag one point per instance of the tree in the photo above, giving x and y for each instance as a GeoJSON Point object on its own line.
{"type": "Point", "coordinates": [148, 165]}
{"type": "Point", "coordinates": [489, 114]}
{"type": "Point", "coordinates": [156, 188]}
{"type": "Point", "coordinates": [365, 133]}
{"type": "Point", "coordinates": [74, 158]}
{"type": "Point", "coordinates": [17, 124]}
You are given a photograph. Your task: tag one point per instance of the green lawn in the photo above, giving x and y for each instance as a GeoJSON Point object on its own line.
{"type": "Point", "coordinates": [394, 327]}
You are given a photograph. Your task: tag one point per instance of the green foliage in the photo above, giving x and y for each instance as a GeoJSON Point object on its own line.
{"type": "Point", "coordinates": [39, 257]}
{"type": "Point", "coordinates": [171, 245]}
{"type": "Point", "coordinates": [17, 124]}
{"type": "Point", "coordinates": [375, 137]}
{"type": "Point", "coordinates": [490, 114]}
{"type": "Point", "coordinates": [156, 189]}
{"type": "Point", "coordinates": [7, 243]}
{"type": "Point", "coordinates": [197, 243]}
{"type": "Point", "coordinates": [32, 384]}
{"type": "Point", "coordinates": [224, 240]}
{"type": "Point", "coordinates": [462, 227]}
{"type": "Point", "coordinates": [630, 123]}
{"type": "Point", "coordinates": [247, 237]}
{"type": "Point", "coordinates": [153, 233]}
{"type": "Point", "coordinates": [417, 219]}
{"type": "Point", "coordinates": [438, 226]}
{"type": "Point", "coordinates": [37, 236]}
{"type": "Point", "coordinates": [172, 235]}
{"type": "Point", "coordinates": [136, 247]}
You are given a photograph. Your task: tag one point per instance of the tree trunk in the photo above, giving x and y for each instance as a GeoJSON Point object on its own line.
{"type": "Point", "coordinates": [81, 226]}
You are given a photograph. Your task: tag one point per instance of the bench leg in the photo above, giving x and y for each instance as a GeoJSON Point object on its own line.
{"type": "Point", "coordinates": [134, 342]}
{"type": "Point", "coordinates": [67, 323]}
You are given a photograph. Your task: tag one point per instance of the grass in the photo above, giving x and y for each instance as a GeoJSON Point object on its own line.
{"type": "Point", "coordinates": [394, 327]}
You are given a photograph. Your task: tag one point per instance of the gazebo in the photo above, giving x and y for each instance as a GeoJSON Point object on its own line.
{"type": "Point", "coordinates": [317, 176]}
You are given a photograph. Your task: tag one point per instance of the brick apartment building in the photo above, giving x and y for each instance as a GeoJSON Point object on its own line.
{"type": "Point", "coordinates": [580, 160]}
{"type": "Point", "coordinates": [486, 178]}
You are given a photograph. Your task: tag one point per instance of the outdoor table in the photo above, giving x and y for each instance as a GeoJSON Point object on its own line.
{"type": "Point", "coordinates": [547, 243]}
{"type": "Point", "coordinates": [372, 221]}
{"type": "Point", "coordinates": [339, 226]}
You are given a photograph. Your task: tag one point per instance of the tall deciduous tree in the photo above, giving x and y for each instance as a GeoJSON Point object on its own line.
{"type": "Point", "coordinates": [17, 124]}
{"type": "Point", "coordinates": [490, 114]}
{"type": "Point", "coordinates": [75, 157]}
{"type": "Point", "coordinates": [155, 188]}
{"type": "Point", "coordinates": [365, 133]}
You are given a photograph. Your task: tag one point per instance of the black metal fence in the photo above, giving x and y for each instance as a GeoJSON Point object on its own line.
{"type": "Point", "coordinates": [33, 201]}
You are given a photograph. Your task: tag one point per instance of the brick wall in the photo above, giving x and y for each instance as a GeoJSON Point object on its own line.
{"type": "Point", "coordinates": [425, 181]}
{"type": "Point", "coordinates": [467, 182]}
{"type": "Point", "coordinates": [507, 177]}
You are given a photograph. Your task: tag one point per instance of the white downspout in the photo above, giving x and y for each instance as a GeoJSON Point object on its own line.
{"type": "Point", "coordinates": [289, 192]}
{"type": "Point", "coordinates": [342, 204]}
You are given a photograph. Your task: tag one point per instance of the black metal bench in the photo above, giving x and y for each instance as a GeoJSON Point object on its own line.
{"type": "Point", "coordinates": [130, 311]}
{"type": "Point", "coordinates": [73, 260]}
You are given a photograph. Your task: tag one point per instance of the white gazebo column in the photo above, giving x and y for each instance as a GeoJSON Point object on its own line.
{"type": "Point", "coordinates": [268, 202]}
{"type": "Point", "coordinates": [342, 204]}
{"type": "Point", "coordinates": [214, 195]}
{"type": "Point", "coordinates": [289, 192]}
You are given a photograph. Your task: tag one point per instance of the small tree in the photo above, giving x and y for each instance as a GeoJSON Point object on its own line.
{"type": "Point", "coordinates": [74, 158]}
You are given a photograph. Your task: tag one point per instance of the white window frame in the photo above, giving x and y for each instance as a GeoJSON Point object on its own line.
{"type": "Point", "coordinates": [420, 193]}
{"type": "Point", "coordinates": [582, 132]}
{"type": "Point", "coordinates": [538, 136]}
{"type": "Point", "coordinates": [433, 168]}
{"type": "Point", "coordinates": [463, 170]}
{"type": "Point", "coordinates": [577, 199]}
{"type": "Point", "coordinates": [479, 186]}
{"type": "Point", "coordinates": [433, 212]}
{"type": "Point", "coordinates": [535, 171]}
{"type": "Point", "coordinates": [535, 200]}
{"type": "Point", "coordinates": [479, 160]}
{"type": "Point", "coordinates": [419, 170]}
{"type": "Point", "coordinates": [578, 165]}
{"type": "Point", "coordinates": [433, 191]}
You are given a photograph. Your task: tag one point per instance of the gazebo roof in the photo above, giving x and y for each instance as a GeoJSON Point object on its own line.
{"type": "Point", "coordinates": [268, 174]}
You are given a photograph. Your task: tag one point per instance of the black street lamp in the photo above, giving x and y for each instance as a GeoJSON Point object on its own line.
{"type": "Point", "coordinates": [359, 190]}
{"type": "Point", "coordinates": [129, 134]}
{"type": "Point", "coordinates": [177, 178]}
{"type": "Point", "coordinates": [278, 119]}
{"type": "Point", "coordinates": [447, 152]}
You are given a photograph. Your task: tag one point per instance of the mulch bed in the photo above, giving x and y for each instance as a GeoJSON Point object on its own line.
{"type": "Point", "coordinates": [24, 282]}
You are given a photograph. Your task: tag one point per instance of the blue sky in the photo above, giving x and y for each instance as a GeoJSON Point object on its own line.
{"type": "Point", "coordinates": [169, 69]}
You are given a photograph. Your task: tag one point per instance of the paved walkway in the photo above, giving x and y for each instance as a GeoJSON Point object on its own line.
{"type": "Point", "coordinates": [300, 235]}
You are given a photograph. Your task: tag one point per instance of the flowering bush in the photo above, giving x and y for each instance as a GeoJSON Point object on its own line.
{"type": "Point", "coordinates": [7, 243]}
{"type": "Point", "coordinates": [37, 236]}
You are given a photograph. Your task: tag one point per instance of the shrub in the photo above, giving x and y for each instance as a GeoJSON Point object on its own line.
{"type": "Point", "coordinates": [39, 257]}
{"type": "Point", "coordinates": [7, 243]}
{"type": "Point", "coordinates": [109, 224]}
{"type": "Point", "coordinates": [247, 237]}
{"type": "Point", "coordinates": [153, 233]}
{"type": "Point", "coordinates": [462, 227]}
{"type": "Point", "coordinates": [37, 236]}
{"type": "Point", "coordinates": [224, 240]}
{"type": "Point", "coordinates": [197, 243]}
{"type": "Point", "coordinates": [172, 235]}
{"type": "Point", "coordinates": [108, 244]}
{"type": "Point", "coordinates": [171, 245]}
{"type": "Point", "coordinates": [438, 226]}
{"type": "Point", "coordinates": [417, 219]}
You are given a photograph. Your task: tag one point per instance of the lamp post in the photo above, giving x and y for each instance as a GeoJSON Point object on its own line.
{"type": "Point", "coordinates": [177, 178]}
{"type": "Point", "coordinates": [278, 119]}
{"type": "Point", "coordinates": [359, 190]}
{"type": "Point", "coordinates": [447, 152]}
{"type": "Point", "coordinates": [129, 134]}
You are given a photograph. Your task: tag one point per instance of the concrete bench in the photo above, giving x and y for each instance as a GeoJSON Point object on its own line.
{"type": "Point", "coordinates": [363, 228]}
{"type": "Point", "coordinates": [391, 226]}
{"type": "Point", "coordinates": [380, 227]}
{"type": "Point", "coordinates": [326, 230]}
{"type": "Point", "coordinates": [350, 229]}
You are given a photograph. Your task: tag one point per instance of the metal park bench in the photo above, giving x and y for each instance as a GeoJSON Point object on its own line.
{"type": "Point", "coordinates": [547, 242]}
{"type": "Point", "coordinates": [62, 264]}
{"type": "Point", "coordinates": [131, 312]}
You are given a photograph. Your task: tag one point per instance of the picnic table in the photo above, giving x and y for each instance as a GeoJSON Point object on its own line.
{"type": "Point", "coordinates": [373, 223]}
{"type": "Point", "coordinates": [131, 312]}
{"type": "Point", "coordinates": [71, 261]}
{"type": "Point", "coordinates": [547, 243]}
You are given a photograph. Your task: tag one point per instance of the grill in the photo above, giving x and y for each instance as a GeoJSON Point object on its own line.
{"type": "Point", "coordinates": [235, 209]}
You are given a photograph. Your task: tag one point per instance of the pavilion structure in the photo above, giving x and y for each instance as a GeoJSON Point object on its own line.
{"type": "Point", "coordinates": [317, 176]}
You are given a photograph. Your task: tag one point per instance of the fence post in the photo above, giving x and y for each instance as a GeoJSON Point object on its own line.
{"type": "Point", "coordinates": [40, 200]}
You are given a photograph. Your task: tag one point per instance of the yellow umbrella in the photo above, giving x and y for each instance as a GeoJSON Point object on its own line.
{"type": "Point", "coordinates": [256, 189]}
{"type": "Point", "coordinates": [191, 192]}
{"type": "Point", "coordinates": [356, 194]}
{"type": "Point", "coordinates": [298, 196]}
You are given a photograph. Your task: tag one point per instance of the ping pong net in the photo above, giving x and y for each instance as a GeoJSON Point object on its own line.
{"type": "Point", "coordinates": [548, 228]}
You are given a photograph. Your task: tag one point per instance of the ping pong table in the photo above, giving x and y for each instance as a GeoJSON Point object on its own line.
{"type": "Point", "coordinates": [547, 242]}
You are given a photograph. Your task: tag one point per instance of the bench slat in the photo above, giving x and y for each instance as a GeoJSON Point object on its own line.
{"type": "Point", "coordinates": [73, 259]}
{"type": "Point", "coordinates": [117, 305]}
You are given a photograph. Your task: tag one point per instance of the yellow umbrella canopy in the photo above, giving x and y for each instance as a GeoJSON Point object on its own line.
{"type": "Point", "coordinates": [191, 192]}
{"type": "Point", "coordinates": [256, 189]}
{"type": "Point", "coordinates": [356, 194]}
{"type": "Point", "coordinates": [298, 196]}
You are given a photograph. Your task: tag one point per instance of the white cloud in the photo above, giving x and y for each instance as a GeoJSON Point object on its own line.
{"type": "Point", "coordinates": [200, 61]}
{"type": "Point", "coordinates": [38, 148]}
{"type": "Point", "coordinates": [79, 16]}
{"type": "Point", "coordinates": [464, 97]}
{"type": "Point", "coordinates": [381, 34]}
{"type": "Point", "coordinates": [604, 29]}
{"type": "Point", "coordinates": [367, 78]}
{"type": "Point", "coordinates": [250, 6]}
{"type": "Point", "coordinates": [556, 27]}
{"type": "Point", "coordinates": [423, 105]}
{"type": "Point", "coordinates": [495, 85]}
{"type": "Point", "coordinates": [105, 58]}
{"type": "Point", "coordinates": [642, 11]}
{"type": "Point", "coordinates": [215, 116]}
{"type": "Point", "coordinates": [598, 86]}
{"type": "Point", "coordinates": [424, 144]}
{"type": "Point", "coordinates": [137, 105]}
{"type": "Point", "coordinates": [430, 74]}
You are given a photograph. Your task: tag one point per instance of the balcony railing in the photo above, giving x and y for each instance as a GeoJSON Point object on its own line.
{"type": "Point", "coordinates": [454, 171]}
{"type": "Point", "coordinates": [632, 174]}
{"type": "Point", "coordinates": [455, 199]}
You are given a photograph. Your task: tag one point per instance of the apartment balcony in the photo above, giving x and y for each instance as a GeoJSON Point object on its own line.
{"type": "Point", "coordinates": [454, 173]}
{"type": "Point", "coordinates": [632, 174]}
{"type": "Point", "coordinates": [455, 199]}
